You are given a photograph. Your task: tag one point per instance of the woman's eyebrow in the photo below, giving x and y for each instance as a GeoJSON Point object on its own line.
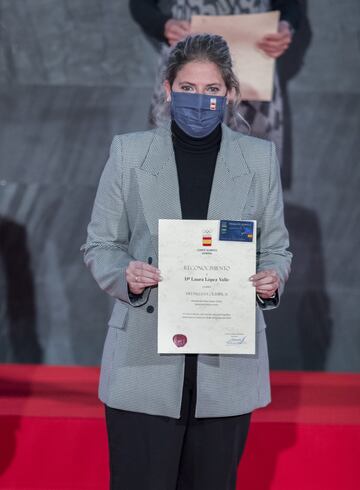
{"type": "Point", "coordinates": [207, 85]}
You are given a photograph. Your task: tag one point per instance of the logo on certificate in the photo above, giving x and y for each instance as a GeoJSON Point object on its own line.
{"type": "Point", "coordinates": [180, 340]}
{"type": "Point", "coordinates": [207, 239]}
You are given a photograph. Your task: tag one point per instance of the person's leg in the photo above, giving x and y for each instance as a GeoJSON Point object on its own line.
{"type": "Point", "coordinates": [211, 453]}
{"type": "Point", "coordinates": [144, 450]}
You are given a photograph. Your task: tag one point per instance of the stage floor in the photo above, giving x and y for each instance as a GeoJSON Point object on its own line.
{"type": "Point", "coordinates": [52, 432]}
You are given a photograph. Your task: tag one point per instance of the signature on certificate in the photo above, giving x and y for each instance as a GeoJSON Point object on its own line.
{"type": "Point", "coordinates": [236, 339]}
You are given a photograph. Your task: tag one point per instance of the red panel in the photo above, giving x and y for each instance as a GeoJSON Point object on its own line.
{"type": "Point", "coordinates": [53, 454]}
{"type": "Point", "coordinates": [284, 456]}
{"type": "Point", "coordinates": [52, 432]}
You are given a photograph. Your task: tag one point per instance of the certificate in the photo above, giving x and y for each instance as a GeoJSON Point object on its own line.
{"type": "Point", "coordinates": [207, 304]}
{"type": "Point", "coordinates": [254, 68]}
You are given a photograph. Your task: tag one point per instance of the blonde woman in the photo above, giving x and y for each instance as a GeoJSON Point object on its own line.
{"type": "Point", "coordinates": [180, 422]}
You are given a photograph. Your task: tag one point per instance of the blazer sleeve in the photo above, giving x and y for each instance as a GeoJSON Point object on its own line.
{"type": "Point", "coordinates": [273, 237]}
{"type": "Point", "coordinates": [106, 248]}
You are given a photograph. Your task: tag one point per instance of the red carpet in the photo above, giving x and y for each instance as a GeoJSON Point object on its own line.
{"type": "Point", "coordinates": [52, 432]}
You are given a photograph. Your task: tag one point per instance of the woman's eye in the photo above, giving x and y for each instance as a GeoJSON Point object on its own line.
{"type": "Point", "coordinates": [186, 88]}
{"type": "Point", "coordinates": [213, 90]}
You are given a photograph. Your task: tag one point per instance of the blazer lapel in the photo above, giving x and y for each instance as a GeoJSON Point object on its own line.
{"type": "Point", "coordinates": [158, 183]}
{"type": "Point", "coordinates": [159, 188]}
{"type": "Point", "coordinates": [232, 180]}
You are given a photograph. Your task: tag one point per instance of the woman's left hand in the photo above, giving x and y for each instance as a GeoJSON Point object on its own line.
{"type": "Point", "coordinates": [266, 283]}
{"type": "Point", "coordinates": [275, 45]}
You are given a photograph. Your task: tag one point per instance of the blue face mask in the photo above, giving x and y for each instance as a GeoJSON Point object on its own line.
{"type": "Point", "coordinates": [197, 114]}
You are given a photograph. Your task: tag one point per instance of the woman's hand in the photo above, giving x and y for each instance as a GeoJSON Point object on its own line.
{"type": "Point", "coordinates": [140, 275]}
{"type": "Point", "coordinates": [175, 30]}
{"type": "Point", "coordinates": [275, 45]}
{"type": "Point", "coordinates": [266, 282]}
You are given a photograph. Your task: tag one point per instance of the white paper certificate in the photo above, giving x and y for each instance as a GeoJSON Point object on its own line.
{"type": "Point", "coordinates": [206, 301]}
{"type": "Point", "coordinates": [254, 68]}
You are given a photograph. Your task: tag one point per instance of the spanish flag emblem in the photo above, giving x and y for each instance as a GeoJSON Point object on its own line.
{"type": "Point", "coordinates": [207, 241]}
{"type": "Point", "coordinates": [213, 104]}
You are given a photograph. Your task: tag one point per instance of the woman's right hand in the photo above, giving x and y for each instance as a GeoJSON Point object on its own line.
{"type": "Point", "coordinates": [140, 275]}
{"type": "Point", "coordinates": [175, 30]}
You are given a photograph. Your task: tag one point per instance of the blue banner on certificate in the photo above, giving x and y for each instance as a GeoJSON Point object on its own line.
{"type": "Point", "coordinates": [240, 231]}
{"type": "Point", "coordinates": [207, 305]}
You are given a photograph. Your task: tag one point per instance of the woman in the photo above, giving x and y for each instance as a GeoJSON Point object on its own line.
{"type": "Point", "coordinates": [168, 21]}
{"type": "Point", "coordinates": [180, 422]}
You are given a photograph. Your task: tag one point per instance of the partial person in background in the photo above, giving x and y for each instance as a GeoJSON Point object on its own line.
{"type": "Point", "coordinates": [167, 21]}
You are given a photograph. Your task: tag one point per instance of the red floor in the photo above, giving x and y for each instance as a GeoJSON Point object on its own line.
{"type": "Point", "coordinates": [52, 432]}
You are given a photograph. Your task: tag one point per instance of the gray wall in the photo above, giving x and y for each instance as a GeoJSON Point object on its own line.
{"type": "Point", "coordinates": [75, 72]}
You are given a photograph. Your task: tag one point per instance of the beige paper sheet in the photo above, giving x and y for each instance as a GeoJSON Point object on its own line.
{"type": "Point", "coordinates": [254, 68]}
{"type": "Point", "coordinates": [207, 304]}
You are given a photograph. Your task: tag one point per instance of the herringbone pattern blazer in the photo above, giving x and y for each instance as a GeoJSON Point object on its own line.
{"type": "Point", "coordinates": [138, 186]}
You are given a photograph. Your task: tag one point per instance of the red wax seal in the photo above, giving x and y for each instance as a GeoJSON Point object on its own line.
{"type": "Point", "coordinates": [179, 340]}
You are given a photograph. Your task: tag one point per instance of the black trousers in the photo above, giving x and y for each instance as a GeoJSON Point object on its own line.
{"type": "Point", "coordinates": [150, 452]}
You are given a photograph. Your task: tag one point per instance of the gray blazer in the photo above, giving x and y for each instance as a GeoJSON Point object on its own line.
{"type": "Point", "coordinates": [138, 186]}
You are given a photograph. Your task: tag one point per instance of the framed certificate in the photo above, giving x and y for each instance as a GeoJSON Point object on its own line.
{"type": "Point", "coordinates": [207, 305]}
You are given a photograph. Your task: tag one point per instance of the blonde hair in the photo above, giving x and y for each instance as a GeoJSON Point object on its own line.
{"type": "Point", "coordinates": [214, 49]}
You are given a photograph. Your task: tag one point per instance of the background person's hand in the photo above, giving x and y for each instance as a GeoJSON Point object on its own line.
{"type": "Point", "coordinates": [175, 30]}
{"type": "Point", "coordinates": [266, 283]}
{"type": "Point", "coordinates": [140, 275]}
{"type": "Point", "coordinates": [276, 44]}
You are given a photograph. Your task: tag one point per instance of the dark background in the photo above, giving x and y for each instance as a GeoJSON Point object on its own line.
{"type": "Point", "coordinates": [75, 72]}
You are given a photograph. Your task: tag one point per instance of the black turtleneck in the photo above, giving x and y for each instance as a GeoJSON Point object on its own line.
{"type": "Point", "coordinates": [195, 162]}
